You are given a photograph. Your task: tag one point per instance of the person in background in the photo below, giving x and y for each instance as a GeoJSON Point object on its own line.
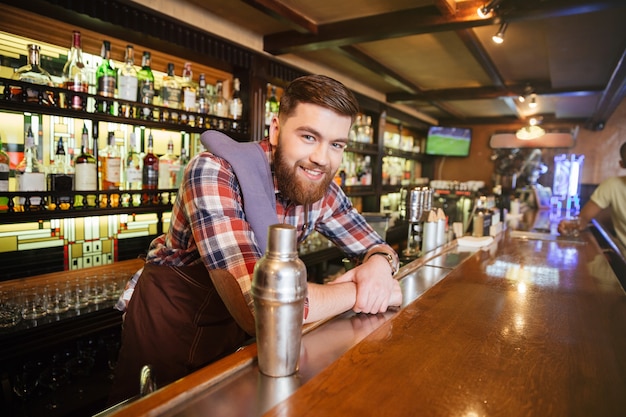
{"type": "Point", "coordinates": [176, 320]}
{"type": "Point", "coordinates": [611, 194]}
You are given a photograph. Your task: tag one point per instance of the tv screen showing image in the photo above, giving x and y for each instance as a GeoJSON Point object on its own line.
{"type": "Point", "coordinates": [448, 141]}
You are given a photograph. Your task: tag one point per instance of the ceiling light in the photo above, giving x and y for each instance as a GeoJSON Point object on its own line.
{"type": "Point", "coordinates": [529, 91]}
{"type": "Point", "coordinates": [499, 36]}
{"type": "Point", "coordinates": [533, 101]}
{"type": "Point", "coordinates": [485, 10]}
{"type": "Point", "coordinates": [530, 132]}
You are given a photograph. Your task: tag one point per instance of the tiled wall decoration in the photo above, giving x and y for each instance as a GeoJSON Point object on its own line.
{"type": "Point", "coordinates": [86, 241]}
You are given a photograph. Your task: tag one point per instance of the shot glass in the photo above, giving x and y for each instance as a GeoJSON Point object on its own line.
{"type": "Point", "coordinates": [78, 294]}
{"type": "Point", "coordinates": [56, 299]}
{"type": "Point", "coordinates": [33, 303]}
{"type": "Point", "coordinates": [570, 227]}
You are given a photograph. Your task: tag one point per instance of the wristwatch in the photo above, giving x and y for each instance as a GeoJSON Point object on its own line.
{"type": "Point", "coordinates": [389, 258]}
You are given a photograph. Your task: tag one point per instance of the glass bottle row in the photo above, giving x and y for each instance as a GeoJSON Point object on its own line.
{"type": "Point", "coordinates": [88, 165]}
{"type": "Point", "coordinates": [129, 83]}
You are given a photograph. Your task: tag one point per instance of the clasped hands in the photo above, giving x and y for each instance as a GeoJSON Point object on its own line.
{"type": "Point", "coordinates": [376, 289]}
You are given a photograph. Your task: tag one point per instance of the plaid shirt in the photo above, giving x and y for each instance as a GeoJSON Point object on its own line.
{"type": "Point", "coordinates": [208, 223]}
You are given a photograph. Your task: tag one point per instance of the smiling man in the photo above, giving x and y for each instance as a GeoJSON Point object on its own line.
{"type": "Point", "coordinates": [177, 321]}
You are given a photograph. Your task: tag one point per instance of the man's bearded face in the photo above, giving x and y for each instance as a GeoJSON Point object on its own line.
{"type": "Point", "coordinates": [294, 184]}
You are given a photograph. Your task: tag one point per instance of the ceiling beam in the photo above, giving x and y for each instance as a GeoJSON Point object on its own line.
{"type": "Point", "coordinates": [356, 55]}
{"type": "Point", "coordinates": [479, 93]}
{"type": "Point", "coordinates": [513, 104]}
{"type": "Point", "coordinates": [613, 95]}
{"type": "Point", "coordinates": [469, 38]}
{"type": "Point", "coordinates": [299, 22]}
{"type": "Point", "coordinates": [372, 28]}
{"type": "Point", "coordinates": [422, 20]}
{"type": "Point", "coordinates": [446, 7]}
{"type": "Point", "coordinates": [546, 120]}
{"type": "Point", "coordinates": [390, 76]}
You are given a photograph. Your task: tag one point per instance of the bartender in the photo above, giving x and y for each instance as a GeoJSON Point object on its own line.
{"type": "Point", "coordinates": [611, 194]}
{"type": "Point", "coordinates": [176, 321]}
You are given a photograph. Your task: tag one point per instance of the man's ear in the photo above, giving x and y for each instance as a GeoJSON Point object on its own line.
{"type": "Point", "coordinates": [273, 131]}
{"type": "Point", "coordinates": [622, 164]}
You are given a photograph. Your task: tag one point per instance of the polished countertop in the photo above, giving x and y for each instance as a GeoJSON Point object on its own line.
{"type": "Point", "coordinates": [528, 325]}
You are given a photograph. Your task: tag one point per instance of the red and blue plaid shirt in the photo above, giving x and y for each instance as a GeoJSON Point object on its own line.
{"type": "Point", "coordinates": [208, 222]}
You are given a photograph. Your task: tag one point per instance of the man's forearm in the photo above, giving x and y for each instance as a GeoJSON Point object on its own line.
{"type": "Point", "coordinates": [329, 300]}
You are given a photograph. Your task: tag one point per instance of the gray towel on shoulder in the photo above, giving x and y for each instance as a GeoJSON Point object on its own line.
{"type": "Point", "coordinates": [255, 179]}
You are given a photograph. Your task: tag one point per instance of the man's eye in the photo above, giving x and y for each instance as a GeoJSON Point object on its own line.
{"type": "Point", "coordinates": [308, 138]}
{"type": "Point", "coordinates": [340, 145]}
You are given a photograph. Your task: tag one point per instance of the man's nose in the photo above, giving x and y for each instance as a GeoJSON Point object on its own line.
{"type": "Point", "coordinates": [320, 154]}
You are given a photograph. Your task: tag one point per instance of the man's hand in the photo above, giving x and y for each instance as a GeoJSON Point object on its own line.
{"type": "Point", "coordinates": [375, 286]}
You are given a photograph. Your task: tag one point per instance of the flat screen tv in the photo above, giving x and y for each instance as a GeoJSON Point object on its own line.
{"type": "Point", "coordinates": [448, 141]}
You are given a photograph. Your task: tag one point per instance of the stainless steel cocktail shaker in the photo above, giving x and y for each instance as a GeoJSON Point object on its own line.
{"type": "Point", "coordinates": [279, 288]}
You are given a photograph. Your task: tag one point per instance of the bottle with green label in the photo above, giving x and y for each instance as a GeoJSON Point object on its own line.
{"type": "Point", "coordinates": [106, 80]}
{"type": "Point", "coordinates": [145, 85]}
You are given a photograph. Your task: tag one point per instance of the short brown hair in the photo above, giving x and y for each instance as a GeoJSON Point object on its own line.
{"type": "Point", "coordinates": [322, 91]}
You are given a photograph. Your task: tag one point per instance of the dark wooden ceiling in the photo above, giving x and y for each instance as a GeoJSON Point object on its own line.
{"type": "Point", "coordinates": [436, 57]}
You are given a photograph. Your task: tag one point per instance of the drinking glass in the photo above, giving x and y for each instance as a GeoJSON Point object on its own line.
{"type": "Point", "coordinates": [54, 377]}
{"type": "Point", "coordinates": [97, 288]}
{"type": "Point", "coordinates": [56, 299]}
{"type": "Point", "coordinates": [26, 380]}
{"type": "Point", "coordinates": [33, 303]}
{"type": "Point", "coordinates": [9, 309]}
{"type": "Point", "coordinates": [78, 294]}
{"type": "Point", "coordinates": [570, 227]}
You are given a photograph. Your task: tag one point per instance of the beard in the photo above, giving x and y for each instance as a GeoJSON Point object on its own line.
{"type": "Point", "coordinates": [294, 187]}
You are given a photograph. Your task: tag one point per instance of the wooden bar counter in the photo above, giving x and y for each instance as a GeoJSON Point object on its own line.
{"type": "Point", "coordinates": [530, 325]}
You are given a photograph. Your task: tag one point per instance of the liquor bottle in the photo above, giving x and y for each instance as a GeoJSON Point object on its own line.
{"type": "Point", "coordinates": [189, 91]}
{"type": "Point", "coordinates": [5, 168]}
{"type": "Point", "coordinates": [33, 73]}
{"type": "Point", "coordinates": [106, 80]}
{"type": "Point", "coordinates": [220, 107]}
{"type": "Point", "coordinates": [271, 105]}
{"type": "Point", "coordinates": [132, 168]}
{"type": "Point", "coordinates": [74, 75]}
{"type": "Point", "coordinates": [150, 170]}
{"type": "Point", "coordinates": [145, 88]}
{"type": "Point", "coordinates": [204, 100]}
{"type": "Point", "coordinates": [85, 170]}
{"type": "Point", "coordinates": [168, 168]}
{"type": "Point", "coordinates": [236, 105]}
{"type": "Point", "coordinates": [29, 172]}
{"type": "Point", "coordinates": [111, 163]}
{"type": "Point", "coordinates": [127, 82]}
{"type": "Point", "coordinates": [170, 92]}
{"type": "Point", "coordinates": [61, 175]}
{"type": "Point", "coordinates": [182, 163]}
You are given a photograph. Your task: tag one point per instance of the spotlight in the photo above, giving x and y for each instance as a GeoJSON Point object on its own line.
{"type": "Point", "coordinates": [528, 92]}
{"type": "Point", "coordinates": [533, 101]}
{"type": "Point", "coordinates": [499, 36]}
{"type": "Point", "coordinates": [486, 9]}
{"type": "Point", "coordinates": [483, 12]}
